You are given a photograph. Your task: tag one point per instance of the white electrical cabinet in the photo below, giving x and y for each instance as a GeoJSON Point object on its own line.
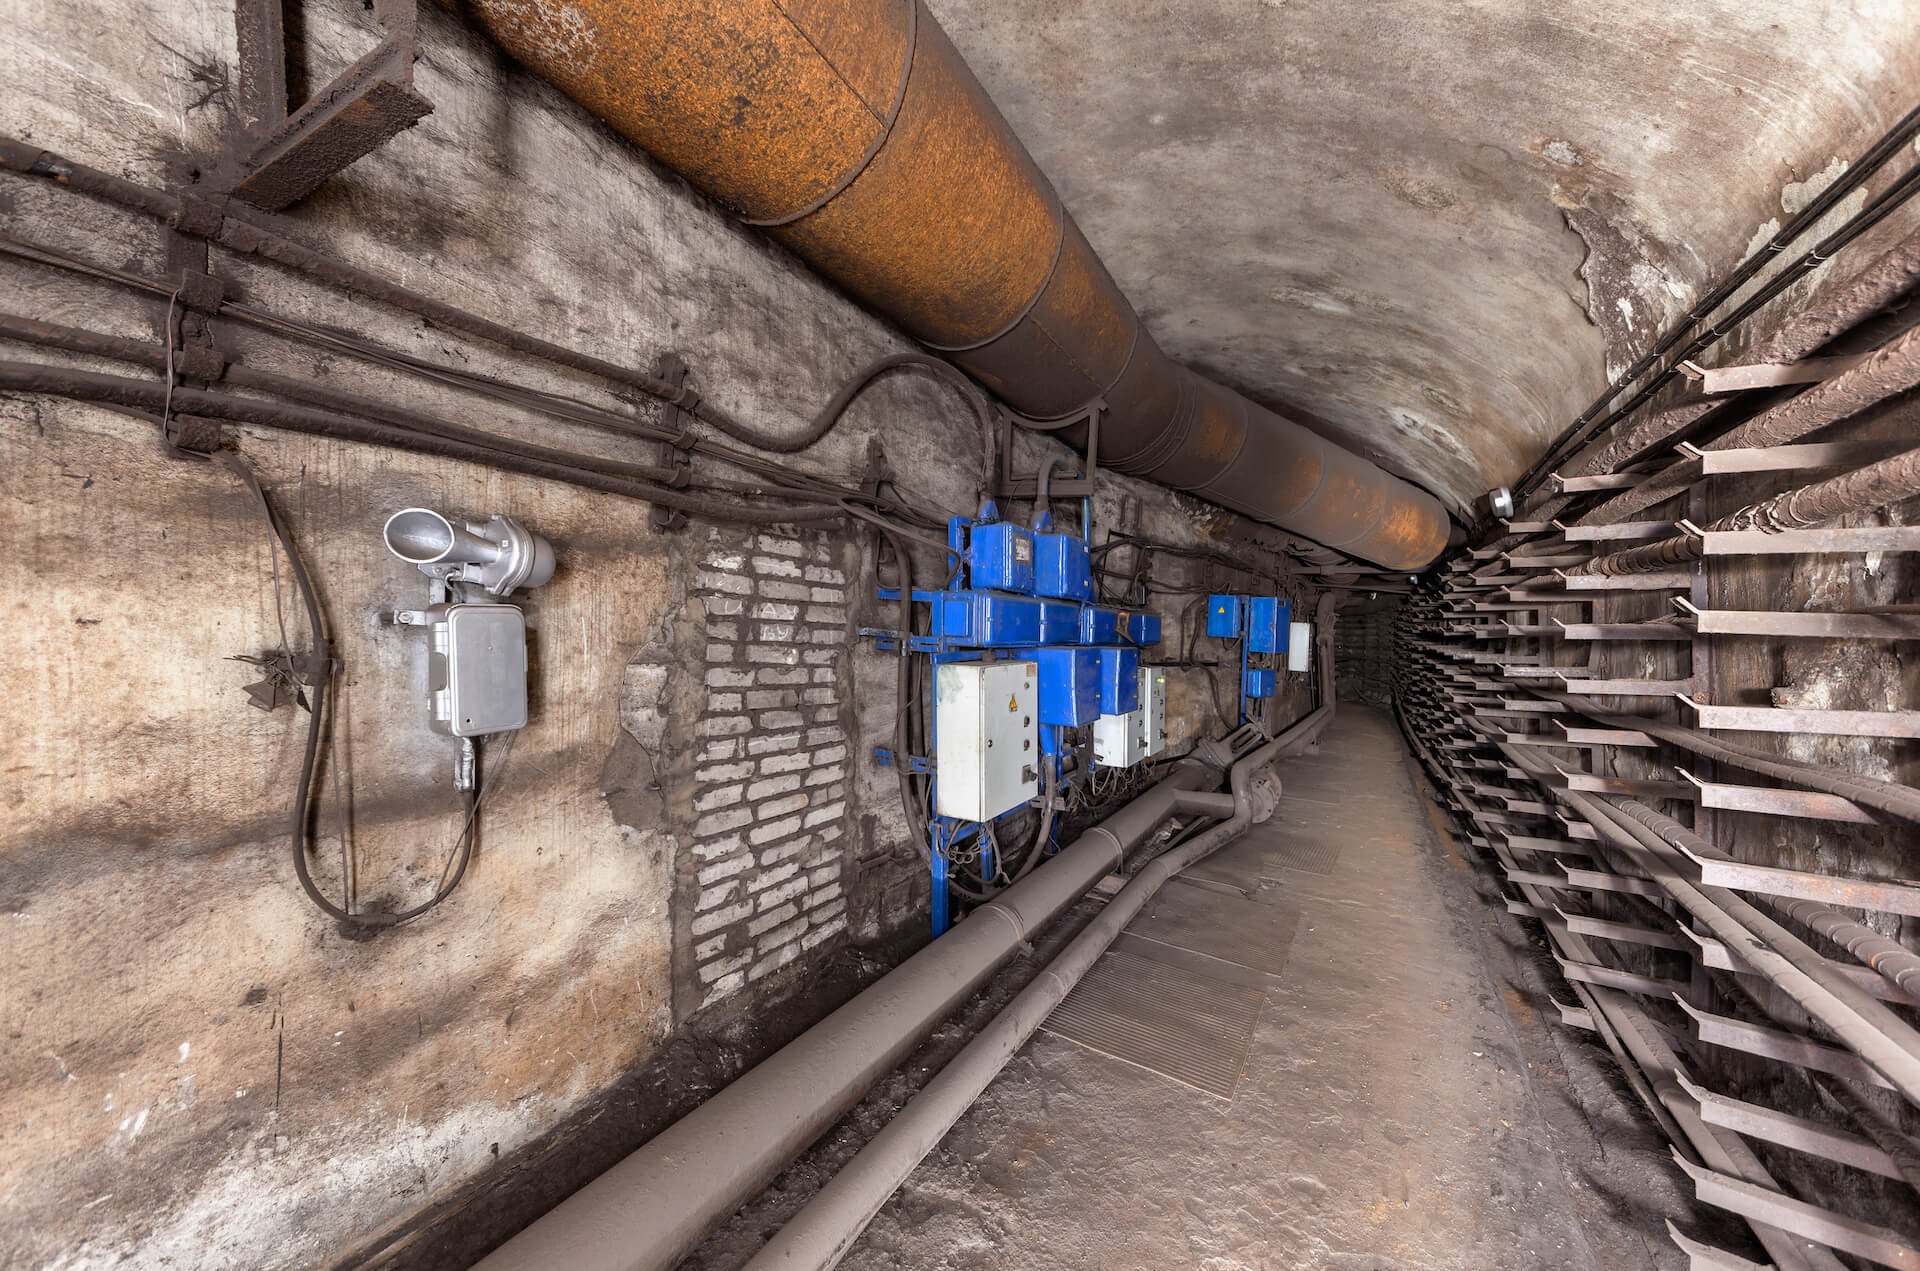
{"type": "Point", "coordinates": [1299, 646]}
{"type": "Point", "coordinates": [985, 742]}
{"type": "Point", "coordinates": [1121, 741]}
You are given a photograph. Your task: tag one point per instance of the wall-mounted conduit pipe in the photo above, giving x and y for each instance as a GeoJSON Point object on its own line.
{"type": "Point", "coordinates": [649, 1210]}
{"type": "Point", "coordinates": [854, 134]}
{"type": "Point", "coordinates": [821, 1233]}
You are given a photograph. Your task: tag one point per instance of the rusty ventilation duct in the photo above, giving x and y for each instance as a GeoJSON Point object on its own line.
{"type": "Point", "coordinates": [852, 132]}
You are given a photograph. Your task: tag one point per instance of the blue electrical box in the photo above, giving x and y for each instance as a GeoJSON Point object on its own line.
{"type": "Point", "coordinates": [1000, 557]}
{"type": "Point", "coordinates": [984, 619]}
{"type": "Point", "coordinates": [1059, 622]}
{"type": "Point", "coordinates": [1069, 686]}
{"type": "Point", "coordinates": [1223, 617]}
{"type": "Point", "coordinates": [1267, 624]}
{"type": "Point", "coordinates": [1119, 680]}
{"type": "Point", "coordinates": [1143, 629]}
{"type": "Point", "coordinates": [1061, 567]}
{"type": "Point", "coordinates": [1099, 626]}
{"type": "Point", "coordinates": [1259, 683]}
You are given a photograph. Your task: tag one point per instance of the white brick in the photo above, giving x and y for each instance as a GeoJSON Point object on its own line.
{"type": "Point", "coordinates": [725, 772]}
{"type": "Point", "coordinates": [723, 701]}
{"type": "Point", "coordinates": [766, 699]}
{"type": "Point", "coordinates": [822, 574]}
{"type": "Point", "coordinates": [719, 652]}
{"type": "Point", "coordinates": [773, 785]}
{"type": "Point", "coordinates": [782, 806]}
{"type": "Point", "coordinates": [774, 961]}
{"type": "Point", "coordinates": [828, 833]}
{"type": "Point", "coordinates": [727, 677]}
{"type": "Point", "coordinates": [781, 589]}
{"type": "Point", "coordinates": [726, 560]}
{"type": "Point", "coordinates": [821, 736]}
{"type": "Point", "coordinates": [827, 615]}
{"type": "Point", "coordinates": [721, 918]}
{"type": "Point", "coordinates": [720, 750]}
{"type": "Point", "coordinates": [724, 988]}
{"type": "Point", "coordinates": [821, 658]}
{"type": "Point", "coordinates": [774, 631]}
{"type": "Point", "coordinates": [821, 675]}
{"type": "Point", "coordinates": [775, 612]}
{"type": "Point", "coordinates": [830, 892]}
{"type": "Point", "coordinates": [714, 970]}
{"type": "Point", "coordinates": [781, 851]}
{"type": "Point", "coordinates": [821, 877]}
{"type": "Point", "coordinates": [709, 849]}
{"type": "Point", "coordinates": [826, 595]}
{"type": "Point", "coordinates": [728, 630]}
{"type": "Point", "coordinates": [707, 948]}
{"type": "Point", "coordinates": [732, 584]}
{"type": "Point", "coordinates": [773, 830]}
{"type": "Point", "coordinates": [784, 892]}
{"type": "Point", "coordinates": [832, 754]}
{"type": "Point", "coordinates": [774, 567]}
{"type": "Point", "coordinates": [779, 675]}
{"type": "Point", "coordinates": [821, 776]}
{"type": "Point", "coordinates": [719, 797]}
{"type": "Point", "coordinates": [773, 742]}
{"type": "Point", "coordinates": [723, 726]}
{"type": "Point", "coordinates": [723, 869]}
{"type": "Point", "coordinates": [820, 935]}
{"type": "Point", "coordinates": [721, 822]}
{"type": "Point", "coordinates": [780, 935]}
{"type": "Point", "coordinates": [826, 911]}
{"type": "Point", "coordinates": [768, 921]}
{"type": "Point", "coordinates": [820, 696]}
{"type": "Point", "coordinates": [784, 763]}
{"type": "Point", "coordinates": [780, 719]}
{"type": "Point", "coordinates": [779, 546]}
{"type": "Point", "coordinates": [713, 897]}
{"type": "Point", "coordinates": [828, 812]}
{"type": "Point", "coordinates": [772, 654]}
{"type": "Point", "coordinates": [768, 877]}
{"type": "Point", "coordinates": [721, 606]}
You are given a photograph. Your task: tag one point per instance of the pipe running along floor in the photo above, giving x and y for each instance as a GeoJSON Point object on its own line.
{"type": "Point", "coordinates": [1325, 1047]}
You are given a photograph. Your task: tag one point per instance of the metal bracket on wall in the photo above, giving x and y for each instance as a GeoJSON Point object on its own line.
{"type": "Point", "coordinates": [289, 153]}
{"type": "Point", "coordinates": [1008, 486]}
{"type": "Point", "coordinates": [672, 368]}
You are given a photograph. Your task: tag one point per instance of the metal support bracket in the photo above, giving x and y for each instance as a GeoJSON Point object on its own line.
{"type": "Point", "coordinates": [1008, 486]}
{"type": "Point", "coordinates": [293, 152]}
{"type": "Point", "coordinates": [677, 414]}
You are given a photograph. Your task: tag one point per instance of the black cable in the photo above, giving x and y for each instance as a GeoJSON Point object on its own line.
{"type": "Point", "coordinates": [322, 677]}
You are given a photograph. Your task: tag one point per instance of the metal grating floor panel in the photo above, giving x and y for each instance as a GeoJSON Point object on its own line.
{"type": "Point", "coordinates": [1189, 1027]}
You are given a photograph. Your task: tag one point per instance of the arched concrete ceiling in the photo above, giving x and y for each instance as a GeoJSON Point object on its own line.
{"type": "Point", "coordinates": [1429, 228]}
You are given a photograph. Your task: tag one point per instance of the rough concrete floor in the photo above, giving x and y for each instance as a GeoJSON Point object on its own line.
{"type": "Point", "coordinates": [1403, 1104]}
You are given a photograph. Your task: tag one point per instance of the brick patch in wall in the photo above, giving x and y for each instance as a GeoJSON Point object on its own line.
{"type": "Point", "coordinates": [770, 779]}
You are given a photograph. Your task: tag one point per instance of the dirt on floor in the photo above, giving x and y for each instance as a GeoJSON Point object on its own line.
{"type": "Point", "coordinates": [1405, 1097]}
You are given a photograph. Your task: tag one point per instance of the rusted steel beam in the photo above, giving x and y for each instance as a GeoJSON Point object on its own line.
{"type": "Point", "coordinates": [1891, 625]}
{"type": "Point", "coordinates": [853, 133]}
{"type": "Point", "coordinates": [368, 104]}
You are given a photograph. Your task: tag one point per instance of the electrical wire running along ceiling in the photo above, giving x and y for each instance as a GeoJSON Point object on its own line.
{"type": "Point", "coordinates": [1431, 230]}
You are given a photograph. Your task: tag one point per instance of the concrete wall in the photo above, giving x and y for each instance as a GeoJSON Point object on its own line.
{"type": "Point", "coordinates": [197, 1068]}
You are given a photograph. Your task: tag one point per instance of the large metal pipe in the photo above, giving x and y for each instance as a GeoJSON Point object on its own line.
{"type": "Point", "coordinates": [825, 1228]}
{"type": "Point", "coordinates": [853, 133]}
{"type": "Point", "coordinates": [648, 1211]}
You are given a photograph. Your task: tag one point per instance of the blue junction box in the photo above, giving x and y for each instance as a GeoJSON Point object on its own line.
{"type": "Point", "coordinates": [1267, 624]}
{"type": "Point", "coordinates": [1059, 622]}
{"type": "Point", "coordinates": [1119, 680]}
{"type": "Point", "coordinates": [1000, 557]}
{"type": "Point", "coordinates": [1143, 629]}
{"type": "Point", "coordinates": [1061, 567]}
{"type": "Point", "coordinates": [1223, 617]}
{"type": "Point", "coordinates": [1099, 626]}
{"type": "Point", "coordinates": [1259, 683]}
{"type": "Point", "coordinates": [1069, 686]}
{"type": "Point", "coordinates": [985, 619]}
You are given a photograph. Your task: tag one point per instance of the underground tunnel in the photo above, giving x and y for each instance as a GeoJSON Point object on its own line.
{"type": "Point", "coordinates": [748, 634]}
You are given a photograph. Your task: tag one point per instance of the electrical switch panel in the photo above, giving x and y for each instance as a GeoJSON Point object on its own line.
{"type": "Point", "coordinates": [1120, 741]}
{"type": "Point", "coordinates": [985, 726]}
{"type": "Point", "coordinates": [1300, 646]}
